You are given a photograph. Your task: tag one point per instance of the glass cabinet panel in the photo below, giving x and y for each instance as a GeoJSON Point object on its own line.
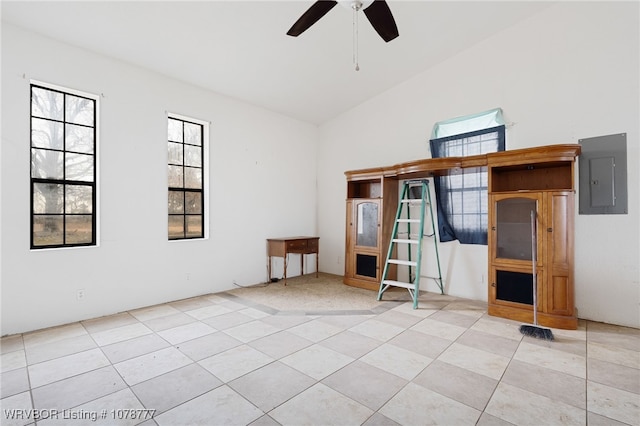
{"type": "Point", "coordinates": [367, 224]}
{"type": "Point", "coordinates": [514, 286]}
{"type": "Point", "coordinates": [366, 265]}
{"type": "Point", "coordinates": [513, 226]}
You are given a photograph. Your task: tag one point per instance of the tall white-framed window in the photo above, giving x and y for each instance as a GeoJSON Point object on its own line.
{"type": "Point", "coordinates": [64, 167]}
{"type": "Point", "coordinates": [187, 176]}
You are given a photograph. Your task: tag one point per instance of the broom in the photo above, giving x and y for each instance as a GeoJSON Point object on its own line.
{"type": "Point", "coordinates": [527, 329]}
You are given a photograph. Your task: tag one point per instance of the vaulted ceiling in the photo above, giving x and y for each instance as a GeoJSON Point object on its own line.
{"type": "Point", "coordinates": [240, 48]}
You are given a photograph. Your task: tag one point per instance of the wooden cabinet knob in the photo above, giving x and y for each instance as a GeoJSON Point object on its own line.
{"type": "Point", "coordinates": [549, 229]}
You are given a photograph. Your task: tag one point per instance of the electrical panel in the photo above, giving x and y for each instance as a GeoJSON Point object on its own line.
{"type": "Point", "coordinates": [603, 175]}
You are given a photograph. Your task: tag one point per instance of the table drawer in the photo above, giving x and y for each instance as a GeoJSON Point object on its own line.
{"type": "Point", "coordinates": [312, 245]}
{"type": "Point", "coordinates": [296, 245]}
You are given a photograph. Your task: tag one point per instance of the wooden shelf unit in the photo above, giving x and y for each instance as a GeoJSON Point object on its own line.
{"type": "Point", "coordinates": [517, 185]}
{"type": "Point", "coordinates": [543, 174]}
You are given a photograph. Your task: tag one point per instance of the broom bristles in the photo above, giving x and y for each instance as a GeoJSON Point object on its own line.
{"type": "Point", "coordinates": [537, 332]}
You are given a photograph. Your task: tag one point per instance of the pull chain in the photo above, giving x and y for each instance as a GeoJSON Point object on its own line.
{"type": "Point", "coordinates": [355, 36]}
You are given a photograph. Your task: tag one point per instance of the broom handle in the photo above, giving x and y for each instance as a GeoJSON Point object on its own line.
{"type": "Point", "coordinates": [534, 249]}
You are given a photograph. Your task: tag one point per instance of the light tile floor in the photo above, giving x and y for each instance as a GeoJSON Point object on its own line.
{"type": "Point", "coordinates": [222, 360]}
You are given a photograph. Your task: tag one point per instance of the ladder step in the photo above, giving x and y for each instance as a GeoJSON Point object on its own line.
{"type": "Point", "coordinates": [398, 240]}
{"type": "Point", "coordinates": [393, 283]}
{"type": "Point", "coordinates": [408, 220]}
{"type": "Point", "coordinates": [403, 262]}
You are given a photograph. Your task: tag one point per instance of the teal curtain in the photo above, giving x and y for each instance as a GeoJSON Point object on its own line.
{"type": "Point", "coordinates": [468, 123]}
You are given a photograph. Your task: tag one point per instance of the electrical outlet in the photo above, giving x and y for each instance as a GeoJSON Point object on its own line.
{"type": "Point", "coordinates": [80, 295]}
{"type": "Point", "coordinates": [188, 276]}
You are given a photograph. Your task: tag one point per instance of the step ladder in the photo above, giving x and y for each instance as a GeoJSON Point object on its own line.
{"type": "Point", "coordinates": [413, 241]}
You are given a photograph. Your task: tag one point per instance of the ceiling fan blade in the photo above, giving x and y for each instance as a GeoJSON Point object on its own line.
{"type": "Point", "coordinates": [379, 14]}
{"type": "Point", "coordinates": [311, 16]}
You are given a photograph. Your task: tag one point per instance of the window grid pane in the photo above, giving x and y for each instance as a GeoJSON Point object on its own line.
{"type": "Point", "coordinates": [46, 134]}
{"type": "Point", "coordinates": [185, 179]}
{"type": "Point", "coordinates": [63, 175]}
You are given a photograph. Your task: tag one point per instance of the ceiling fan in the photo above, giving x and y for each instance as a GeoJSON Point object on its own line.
{"type": "Point", "coordinates": [377, 12]}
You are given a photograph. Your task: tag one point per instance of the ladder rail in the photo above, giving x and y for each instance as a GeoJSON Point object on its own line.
{"type": "Point", "coordinates": [409, 232]}
{"type": "Point", "coordinates": [416, 280]}
{"type": "Point", "coordinates": [435, 243]}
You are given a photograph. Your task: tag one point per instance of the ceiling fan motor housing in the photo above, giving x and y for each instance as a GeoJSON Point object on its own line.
{"type": "Point", "coordinates": [356, 5]}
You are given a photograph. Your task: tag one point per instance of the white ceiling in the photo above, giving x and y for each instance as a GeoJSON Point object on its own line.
{"type": "Point", "coordinates": [240, 48]}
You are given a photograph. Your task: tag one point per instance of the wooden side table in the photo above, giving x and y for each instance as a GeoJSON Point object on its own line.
{"type": "Point", "coordinates": [281, 247]}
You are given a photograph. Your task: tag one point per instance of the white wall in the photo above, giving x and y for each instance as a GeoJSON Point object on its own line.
{"type": "Point", "coordinates": [568, 73]}
{"type": "Point", "coordinates": [253, 155]}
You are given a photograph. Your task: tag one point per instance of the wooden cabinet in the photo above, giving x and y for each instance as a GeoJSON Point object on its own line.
{"type": "Point", "coordinates": [371, 206]}
{"type": "Point", "coordinates": [539, 179]}
{"type": "Point", "coordinates": [517, 186]}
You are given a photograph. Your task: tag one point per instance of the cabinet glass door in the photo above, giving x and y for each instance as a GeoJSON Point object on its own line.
{"type": "Point", "coordinates": [367, 224]}
{"type": "Point", "coordinates": [513, 228]}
